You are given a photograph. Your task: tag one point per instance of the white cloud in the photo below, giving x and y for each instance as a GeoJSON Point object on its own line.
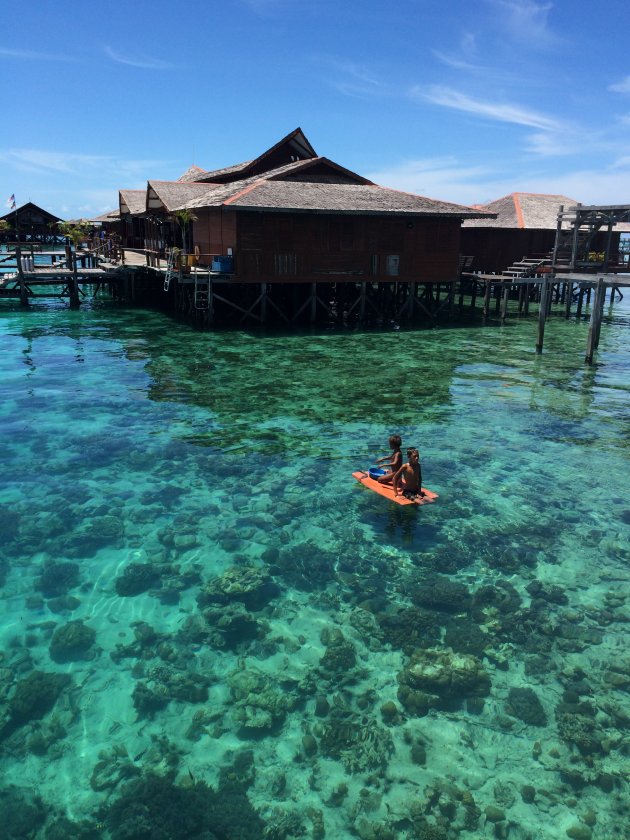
{"type": "Point", "coordinates": [142, 61]}
{"type": "Point", "coordinates": [78, 165]}
{"type": "Point", "coordinates": [621, 87]}
{"type": "Point", "coordinates": [450, 180]}
{"type": "Point", "coordinates": [525, 20]}
{"type": "Point", "coordinates": [499, 112]}
{"type": "Point", "coordinates": [354, 79]}
{"type": "Point", "coordinates": [30, 55]}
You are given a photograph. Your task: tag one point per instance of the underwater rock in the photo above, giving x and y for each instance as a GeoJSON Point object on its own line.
{"type": "Point", "coordinates": [340, 655]}
{"type": "Point", "coordinates": [153, 807]}
{"type": "Point", "coordinates": [578, 728]}
{"type": "Point", "coordinates": [252, 585]}
{"type": "Point", "coordinates": [261, 703]}
{"type": "Point", "coordinates": [233, 625]}
{"type": "Point", "coordinates": [551, 593]}
{"type": "Point", "coordinates": [57, 579]}
{"type": "Point", "coordinates": [72, 642]}
{"type": "Point", "coordinates": [62, 604]}
{"type": "Point", "coordinates": [502, 597]}
{"type": "Point", "coordinates": [442, 594]}
{"type": "Point", "coordinates": [305, 567]}
{"type": "Point", "coordinates": [465, 636]}
{"type": "Point", "coordinates": [35, 695]}
{"type": "Point", "coordinates": [21, 813]}
{"type": "Point", "coordinates": [322, 706]}
{"type": "Point", "coordinates": [410, 628]}
{"type": "Point", "coordinates": [94, 533]}
{"type": "Point", "coordinates": [441, 679]}
{"type": "Point", "coordinates": [577, 831]}
{"type": "Point", "coordinates": [135, 579]}
{"type": "Point", "coordinates": [358, 742]}
{"type": "Point", "coordinates": [523, 703]}
{"type": "Point", "coordinates": [389, 712]}
{"type": "Point", "coordinates": [114, 766]}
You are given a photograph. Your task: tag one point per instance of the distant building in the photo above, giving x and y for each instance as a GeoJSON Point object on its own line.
{"type": "Point", "coordinates": [525, 225]}
{"type": "Point", "coordinates": [30, 223]}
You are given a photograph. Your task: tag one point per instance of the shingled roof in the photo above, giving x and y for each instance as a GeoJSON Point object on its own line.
{"type": "Point", "coordinates": [319, 185]}
{"type": "Point", "coordinates": [524, 210]}
{"type": "Point", "coordinates": [342, 198]}
{"type": "Point", "coordinates": [293, 147]}
{"type": "Point", "coordinates": [193, 173]}
{"type": "Point", "coordinates": [132, 202]}
{"type": "Point", "coordinates": [170, 195]}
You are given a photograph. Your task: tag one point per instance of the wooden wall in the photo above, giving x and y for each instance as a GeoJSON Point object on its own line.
{"type": "Point", "coordinates": [308, 247]}
{"type": "Point", "coordinates": [495, 249]}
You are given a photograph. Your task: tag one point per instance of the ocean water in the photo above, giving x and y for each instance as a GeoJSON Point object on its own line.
{"type": "Point", "coordinates": [210, 630]}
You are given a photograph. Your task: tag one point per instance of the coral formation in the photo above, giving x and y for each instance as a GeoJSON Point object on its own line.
{"type": "Point", "coordinates": [72, 642]}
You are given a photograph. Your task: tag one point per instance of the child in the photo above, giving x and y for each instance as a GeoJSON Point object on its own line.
{"type": "Point", "coordinates": [395, 464]}
{"type": "Point", "coordinates": [411, 476]}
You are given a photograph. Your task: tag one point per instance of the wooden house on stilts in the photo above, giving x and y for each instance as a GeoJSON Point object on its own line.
{"type": "Point", "coordinates": [295, 236]}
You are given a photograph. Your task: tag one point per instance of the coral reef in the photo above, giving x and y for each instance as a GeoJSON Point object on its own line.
{"type": "Point", "coordinates": [523, 703]}
{"type": "Point", "coordinates": [72, 642]}
{"type": "Point", "coordinates": [440, 679]}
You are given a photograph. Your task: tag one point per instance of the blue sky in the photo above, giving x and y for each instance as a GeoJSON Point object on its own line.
{"type": "Point", "coordinates": [463, 101]}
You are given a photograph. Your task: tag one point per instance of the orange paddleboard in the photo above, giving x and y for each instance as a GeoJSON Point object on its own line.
{"type": "Point", "coordinates": [388, 491]}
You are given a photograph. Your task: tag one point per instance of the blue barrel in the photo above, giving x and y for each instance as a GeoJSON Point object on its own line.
{"type": "Point", "coordinates": [223, 264]}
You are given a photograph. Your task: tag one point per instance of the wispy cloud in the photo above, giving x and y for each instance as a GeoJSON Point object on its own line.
{"type": "Point", "coordinates": [93, 167]}
{"type": "Point", "coordinates": [497, 111]}
{"type": "Point", "coordinates": [450, 180]}
{"type": "Point", "coordinates": [621, 87]}
{"type": "Point", "coordinates": [142, 61]}
{"type": "Point", "coordinates": [525, 20]}
{"type": "Point", "coordinates": [31, 55]}
{"type": "Point", "coordinates": [353, 79]}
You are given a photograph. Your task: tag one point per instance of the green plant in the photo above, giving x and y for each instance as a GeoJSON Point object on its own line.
{"type": "Point", "coordinates": [75, 231]}
{"type": "Point", "coordinates": [184, 219]}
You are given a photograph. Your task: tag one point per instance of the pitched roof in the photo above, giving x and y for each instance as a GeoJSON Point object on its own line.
{"type": "Point", "coordinates": [132, 202]}
{"type": "Point", "coordinates": [284, 194]}
{"type": "Point", "coordinates": [192, 173]}
{"type": "Point", "coordinates": [524, 211]}
{"type": "Point", "coordinates": [110, 216]}
{"type": "Point", "coordinates": [30, 209]}
{"type": "Point", "coordinates": [170, 195]}
{"type": "Point", "coordinates": [293, 147]}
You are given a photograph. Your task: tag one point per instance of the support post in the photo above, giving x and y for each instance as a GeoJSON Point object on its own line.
{"type": "Point", "coordinates": [580, 303]}
{"type": "Point", "coordinates": [568, 298]}
{"type": "Point", "coordinates": [263, 303]}
{"type": "Point", "coordinates": [313, 302]}
{"type": "Point", "coordinates": [20, 268]}
{"type": "Point", "coordinates": [362, 303]}
{"type": "Point", "coordinates": [504, 301]}
{"type": "Point", "coordinates": [595, 323]}
{"type": "Point", "coordinates": [486, 299]}
{"type": "Point", "coordinates": [74, 286]}
{"type": "Point", "coordinates": [542, 316]}
{"type": "Point", "coordinates": [526, 302]}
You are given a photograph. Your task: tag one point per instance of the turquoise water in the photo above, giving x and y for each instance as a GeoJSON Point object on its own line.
{"type": "Point", "coordinates": [211, 630]}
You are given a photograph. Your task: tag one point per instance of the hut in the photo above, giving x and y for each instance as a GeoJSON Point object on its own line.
{"type": "Point", "coordinates": [30, 223]}
{"type": "Point", "coordinates": [524, 225]}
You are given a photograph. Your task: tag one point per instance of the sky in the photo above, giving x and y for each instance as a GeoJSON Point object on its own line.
{"type": "Point", "coordinates": [456, 100]}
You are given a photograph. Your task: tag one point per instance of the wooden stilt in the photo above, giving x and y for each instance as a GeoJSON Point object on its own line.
{"type": "Point", "coordinates": [504, 301]}
{"type": "Point", "coordinates": [473, 294]}
{"type": "Point", "coordinates": [486, 299]}
{"type": "Point", "coordinates": [313, 302]}
{"type": "Point", "coordinates": [542, 315]}
{"type": "Point", "coordinates": [362, 302]}
{"type": "Point", "coordinates": [263, 303]}
{"type": "Point", "coordinates": [74, 285]}
{"type": "Point", "coordinates": [568, 298]}
{"type": "Point", "coordinates": [595, 323]}
{"type": "Point", "coordinates": [23, 289]}
{"type": "Point", "coordinates": [526, 302]}
{"type": "Point", "coordinates": [580, 303]}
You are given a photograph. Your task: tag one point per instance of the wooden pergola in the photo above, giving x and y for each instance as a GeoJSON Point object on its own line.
{"type": "Point", "coordinates": [572, 250]}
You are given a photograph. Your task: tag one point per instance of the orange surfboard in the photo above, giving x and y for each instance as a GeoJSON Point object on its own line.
{"type": "Point", "coordinates": [388, 491]}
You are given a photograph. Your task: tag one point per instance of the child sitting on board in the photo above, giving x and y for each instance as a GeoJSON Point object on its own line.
{"type": "Point", "coordinates": [408, 479]}
{"type": "Point", "coordinates": [392, 465]}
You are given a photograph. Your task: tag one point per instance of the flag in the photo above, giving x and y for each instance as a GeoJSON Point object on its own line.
{"type": "Point", "coordinates": [11, 202]}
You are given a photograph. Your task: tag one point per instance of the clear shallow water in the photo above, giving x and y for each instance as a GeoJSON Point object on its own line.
{"type": "Point", "coordinates": [204, 613]}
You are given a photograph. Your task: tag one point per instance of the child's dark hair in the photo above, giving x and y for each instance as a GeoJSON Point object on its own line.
{"type": "Point", "coordinates": [395, 441]}
{"type": "Point", "coordinates": [411, 450]}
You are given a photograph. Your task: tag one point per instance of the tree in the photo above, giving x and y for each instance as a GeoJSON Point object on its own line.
{"type": "Point", "coordinates": [76, 231]}
{"type": "Point", "coordinates": [184, 219]}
